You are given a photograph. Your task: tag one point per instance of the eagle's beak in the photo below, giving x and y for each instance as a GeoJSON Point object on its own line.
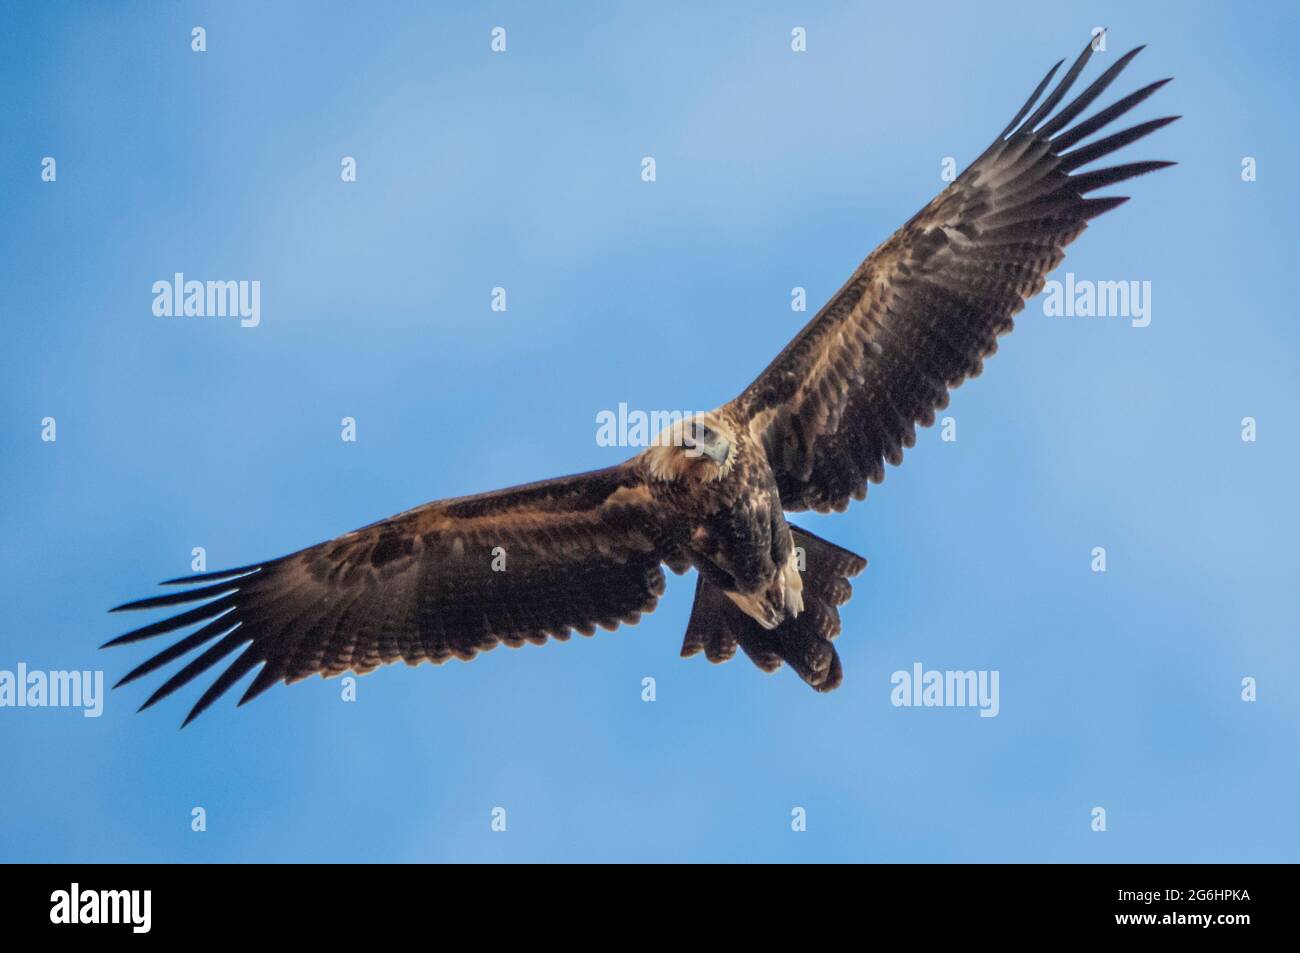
{"type": "Point", "coordinates": [718, 451]}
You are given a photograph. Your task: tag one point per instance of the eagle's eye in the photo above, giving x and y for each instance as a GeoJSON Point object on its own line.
{"type": "Point", "coordinates": [701, 440]}
{"type": "Point", "coordinates": [697, 432]}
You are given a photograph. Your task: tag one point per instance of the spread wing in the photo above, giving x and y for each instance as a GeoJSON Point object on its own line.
{"type": "Point", "coordinates": [450, 578]}
{"type": "Point", "coordinates": [923, 311]}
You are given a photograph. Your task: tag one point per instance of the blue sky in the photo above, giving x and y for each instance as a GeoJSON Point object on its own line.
{"type": "Point", "coordinates": [521, 170]}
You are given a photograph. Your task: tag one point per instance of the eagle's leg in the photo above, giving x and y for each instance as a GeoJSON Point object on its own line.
{"type": "Point", "coordinates": [717, 624]}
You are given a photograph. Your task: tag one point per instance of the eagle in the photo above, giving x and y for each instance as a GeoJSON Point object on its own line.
{"type": "Point", "coordinates": [711, 493]}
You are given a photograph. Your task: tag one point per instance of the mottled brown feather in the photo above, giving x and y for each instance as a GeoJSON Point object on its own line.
{"type": "Point", "coordinates": [580, 552]}
{"type": "Point", "coordinates": [717, 626]}
{"type": "Point", "coordinates": [924, 310]}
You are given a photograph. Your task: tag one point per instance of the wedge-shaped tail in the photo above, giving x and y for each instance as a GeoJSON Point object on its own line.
{"type": "Point", "coordinates": [718, 626]}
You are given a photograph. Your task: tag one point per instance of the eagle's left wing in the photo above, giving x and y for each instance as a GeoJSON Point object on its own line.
{"type": "Point", "coordinates": [923, 311]}
{"type": "Point", "coordinates": [450, 578]}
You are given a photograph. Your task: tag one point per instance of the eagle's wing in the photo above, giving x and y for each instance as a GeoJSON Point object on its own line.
{"type": "Point", "coordinates": [450, 578]}
{"type": "Point", "coordinates": [923, 311]}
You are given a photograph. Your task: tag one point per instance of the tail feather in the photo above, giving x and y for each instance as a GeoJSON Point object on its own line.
{"type": "Point", "coordinates": [717, 625]}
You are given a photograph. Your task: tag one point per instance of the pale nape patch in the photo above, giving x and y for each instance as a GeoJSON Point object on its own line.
{"type": "Point", "coordinates": [668, 458]}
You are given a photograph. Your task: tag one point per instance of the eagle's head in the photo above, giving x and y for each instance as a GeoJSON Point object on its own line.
{"type": "Point", "coordinates": [698, 447]}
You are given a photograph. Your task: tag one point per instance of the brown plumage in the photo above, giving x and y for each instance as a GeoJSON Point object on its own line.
{"type": "Point", "coordinates": [925, 309]}
{"type": "Point", "coordinates": [457, 577]}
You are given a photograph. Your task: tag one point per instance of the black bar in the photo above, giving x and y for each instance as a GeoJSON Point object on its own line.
{"type": "Point", "coordinates": [330, 902]}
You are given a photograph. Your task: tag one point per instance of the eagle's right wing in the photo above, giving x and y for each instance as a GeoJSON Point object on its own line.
{"type": "Point", "coordinates": [925, 309]}
{"type": "Point", "coordinates": [450, 578]}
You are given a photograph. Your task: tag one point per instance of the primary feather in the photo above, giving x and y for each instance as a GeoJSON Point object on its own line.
{"type": "Point", "coordinates": [924, 310]}
{"type": "Point", "coordinates": [916, 318]}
